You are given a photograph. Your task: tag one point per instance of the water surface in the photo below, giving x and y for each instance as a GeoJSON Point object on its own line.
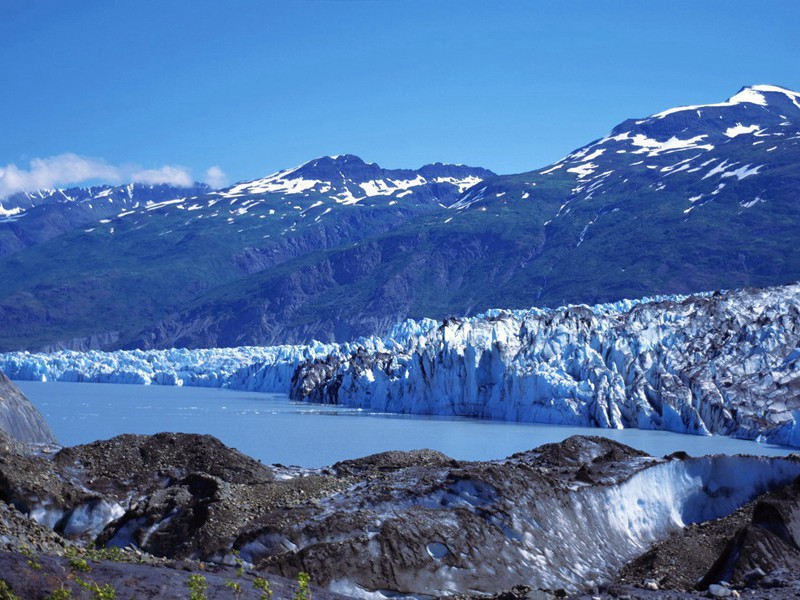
{"type": "Point", "coordinates": [275, 430]}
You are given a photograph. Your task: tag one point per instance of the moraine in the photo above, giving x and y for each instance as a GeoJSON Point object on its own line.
{"type": "Point", "coordinates": [274, 430]}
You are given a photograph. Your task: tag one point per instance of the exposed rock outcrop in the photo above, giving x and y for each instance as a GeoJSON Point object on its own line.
{"type": "Point", "coordinates": [563, 516]}
{"type": "Point", "coordinates": [19, 419]}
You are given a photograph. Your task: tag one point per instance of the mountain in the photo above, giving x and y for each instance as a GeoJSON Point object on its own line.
{"type": "Point", "coordinates": [349, 180]}
{"type": "Point", "coordinates": [689, 199]}
{"type": "Point", "coordinates": [27, 219]}
{"type": "Point", "coordinates": [98, 284]}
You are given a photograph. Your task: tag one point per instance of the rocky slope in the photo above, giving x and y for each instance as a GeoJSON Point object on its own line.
{"type": "Point", "coordinates": [19, 419]}
{"type": "Point", "coordinates": [761, 536]}
{"type": "Point", "coordinates": [754, 551]}
{"type": "Point", "coordinates": [408, 523]}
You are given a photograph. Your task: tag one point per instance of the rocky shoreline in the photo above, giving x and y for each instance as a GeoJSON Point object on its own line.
{"type": "Point", "coordinates": [148, 515]}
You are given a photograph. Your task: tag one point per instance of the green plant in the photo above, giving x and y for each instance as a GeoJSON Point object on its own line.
{"type": "Point", "coordinates": [79, 565]}
{"type": "Point", "coordinates": [303, 586]}
{"type": "Point", "coordinates": [6, 593]}
{"type": "Point", "coordinates": [61, 593]}
{"type": "Point", "coordinates": [197, 587]}
{"type": "Point", "coordinates": [113, 553]}
{"type": "Point", "coordinates": [104, 592]}
{"type": "Point", "coordinates": [239, 563]}
{"type": "Point", "coordinates": [33, 558]}
{"type": "Point", "coordinates": [235, 586]}
{"type": "Point", "coordinates": [263, 585]}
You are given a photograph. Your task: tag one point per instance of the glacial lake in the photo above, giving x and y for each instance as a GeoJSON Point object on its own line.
{"type": "Point", "coordinates": [275, 430]}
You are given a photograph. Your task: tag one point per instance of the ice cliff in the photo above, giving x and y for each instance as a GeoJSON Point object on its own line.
{"type": "Point", "coordinates": [725, 363]}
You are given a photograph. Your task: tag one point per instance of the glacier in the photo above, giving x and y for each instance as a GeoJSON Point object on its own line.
{"type": "Point", "coordinates": [723, 363]}
{"type": "Point", "coordinates": [710, 363]}
{"type": "Point", "coordinates": [249, 368]}
{"type": "Point", "coordinates": [262, 369]}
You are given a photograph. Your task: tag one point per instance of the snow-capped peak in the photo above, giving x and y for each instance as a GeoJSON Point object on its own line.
{"type": "Point", "coordinates": [754, 94]}
{"type": "Point", "coordinates": [347, 179]}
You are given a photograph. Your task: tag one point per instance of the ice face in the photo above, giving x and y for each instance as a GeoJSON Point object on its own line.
{"type": "Point", "coordinates": [722, 363]}
{"type": "Point", "coordinates": [710, 363]}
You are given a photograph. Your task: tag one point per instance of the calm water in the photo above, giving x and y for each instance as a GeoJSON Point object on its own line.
{"type": "Point", "coordinates": [275, 430]}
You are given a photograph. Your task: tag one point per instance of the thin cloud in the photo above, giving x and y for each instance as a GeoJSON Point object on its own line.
{"type": "Point", "coordinates": [216, 177]}
{"type": "Point", "coordinates": [167, 174]}
{"type": "Point", "coordinates": [54, 171]}
{"type": "Point", "coordinates": [70, 169]}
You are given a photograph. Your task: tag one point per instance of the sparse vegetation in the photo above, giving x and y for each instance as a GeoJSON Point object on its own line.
{"type": "Point", "coordinates": [303, 586]}
{"type": "Point", "coordinates": [101, 592]}
{"type": "Point", "coordinates": [33, 558]}
{"type": "Point", "coordinates": [112, 553]}
{"type": "Point", "coordinates": [262, 585]}
{"type": "Point", "coordinates": [61, 593]}
{"type": "Point", "coordinates": [78, 564]}
{"type": "Point", "coordinates": [6, 593]}
{"type": "Point", "coordinates": [239, 564]}
{"type": "Point", "coordinates": [235, 586]}
{"type": "Point", "coordinates": [197, 587]}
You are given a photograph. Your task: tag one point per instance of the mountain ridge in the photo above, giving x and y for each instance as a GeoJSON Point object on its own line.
{"type": "Point", "coordinates": [692, 198]}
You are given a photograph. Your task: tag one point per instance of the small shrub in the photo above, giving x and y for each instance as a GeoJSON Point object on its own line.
{"type": "Point", "coordinates": [6, 593]}
{"type": "Point", "coordinates": [235, 586]}
{"type": "Point", "coordinates": [303, 586]}
{"type": "Point", "coordinates": [113, 553]}
{"type": "Point", "coordinates": [239, 564]}
{"type": "Point", "coordinates": [263, 585]}
{"type": "Point", "coordinates": [78, 564]}
{"type": "Point", "coordinates": [33, 558]}
{"type": "Point", "coordinates": [61, 593]}
{"type": "Point", "coordinates": [104, 592]}
{"type": "Point", "coordinates": [197, 587]}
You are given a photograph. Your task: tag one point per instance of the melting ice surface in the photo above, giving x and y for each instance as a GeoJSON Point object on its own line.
{"type": "Point", "coordinates": [275, 430]}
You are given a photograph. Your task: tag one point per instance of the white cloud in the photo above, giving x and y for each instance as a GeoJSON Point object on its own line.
{"type": "Point", "coordinates": [216, 177]}
{"type": "Point", "coordinates": [72, 169]}
{"type": "Point", "coordinates": [166, 174]}
{"type": "Point", "coordinates": [54, 171]}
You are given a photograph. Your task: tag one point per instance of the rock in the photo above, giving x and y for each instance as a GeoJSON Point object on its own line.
{"type": "Point", "coordinates": [19, 419]}
{"type": "Point", "coordinates": [754, 575]}
{"type": "Point", "coordinates": [718, 591]}
{"type": "Point", "coordinates": [410, 523]}
{"type": "Point", "coordinates": [650, 584]}
{"type": "Point", "coordinates": [778, 578]}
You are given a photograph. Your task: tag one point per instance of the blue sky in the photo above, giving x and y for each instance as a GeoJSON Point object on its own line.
{"type": "Point", "coordinates": [251, 87]}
